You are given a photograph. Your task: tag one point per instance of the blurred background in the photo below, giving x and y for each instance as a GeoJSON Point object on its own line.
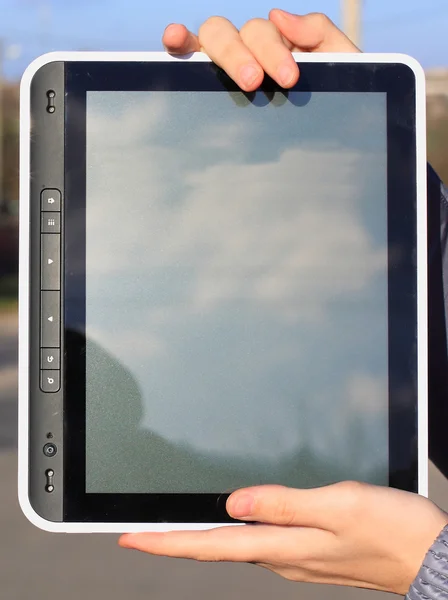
{"type": "Point", "coordinates": [37, 565]}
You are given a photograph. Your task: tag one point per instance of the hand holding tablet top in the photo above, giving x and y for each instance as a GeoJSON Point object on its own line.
{"type": "Point", "coordinates": [260, 46]}
{"type": "Point", "coordinates": [244, 312]}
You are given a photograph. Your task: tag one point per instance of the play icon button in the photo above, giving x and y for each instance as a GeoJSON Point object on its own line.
{"type": "Point", "coordinates": [51, 259]}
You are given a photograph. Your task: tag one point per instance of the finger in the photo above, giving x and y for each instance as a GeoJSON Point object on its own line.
{"type": "Point", "coordinates": [312, 33]}
{"type": "Point", "coordinates": [178, 40]}
{"type": "Point", "coordinates": [230, 544]}
{"type": "Point", "coordinates": [221, 40]}
{"type": "Point", "coordinates": [265, 42]}
{"type": "Point", "coordinates": [323, 508]}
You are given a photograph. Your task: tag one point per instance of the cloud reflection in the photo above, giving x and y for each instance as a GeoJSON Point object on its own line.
{"type": "Point", "coordinates": [246, 286]}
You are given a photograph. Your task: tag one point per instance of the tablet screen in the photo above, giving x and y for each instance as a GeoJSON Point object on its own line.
{"type": "Point", "coordinates": [236, 290]}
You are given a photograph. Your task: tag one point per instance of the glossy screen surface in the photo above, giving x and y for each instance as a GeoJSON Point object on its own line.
{"type": "Point", "coordinates": [236, 290]}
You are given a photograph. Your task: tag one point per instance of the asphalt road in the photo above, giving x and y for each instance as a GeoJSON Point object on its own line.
{"type": "Point", "coordinates": [41, 566]}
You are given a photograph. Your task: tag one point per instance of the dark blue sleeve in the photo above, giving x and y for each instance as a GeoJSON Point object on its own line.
{"type": "Point", "coordinates": [437, 321]}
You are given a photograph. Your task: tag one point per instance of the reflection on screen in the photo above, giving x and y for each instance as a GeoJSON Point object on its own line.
{"type": "Point", "coordinates": [236, 291]}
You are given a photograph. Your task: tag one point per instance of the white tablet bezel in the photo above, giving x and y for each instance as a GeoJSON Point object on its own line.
{"type": "Point", "coordinates": [24, 272]}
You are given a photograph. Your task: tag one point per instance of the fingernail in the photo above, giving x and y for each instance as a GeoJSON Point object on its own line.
{"type": "Point", "coordinates": [249, 74]}
{"type": "Point", "coordinates": [170, 26]}
{"type": "Point", "coordinates": [125, 540]}
{"type": "Point", "coordinates": [283, 13]}
{"type": "Point", "coordinates": [285, 74]}
{"type": "Point", "coordinates": [242, 506]}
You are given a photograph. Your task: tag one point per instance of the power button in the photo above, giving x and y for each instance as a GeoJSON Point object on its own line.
{"type": "Point", "coordinates": [50, 450]}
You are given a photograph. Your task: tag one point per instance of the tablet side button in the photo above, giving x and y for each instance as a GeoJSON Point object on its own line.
{"type": "Point", "coordinates": [51, 222]}
{"type": "Point", "coordinates": [50, 381]}
{"type": "Point", "coordinates": [51, 200]}
{"type": "Point", "coordinates": [50, 315]}
{"type": "Point", "coordinates": [50, 359]}
{"type": "Point", "coordinates": [51, 261]}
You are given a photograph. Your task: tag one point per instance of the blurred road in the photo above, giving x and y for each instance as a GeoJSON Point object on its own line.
{"type": "Point", "coordinates": [37, 565]}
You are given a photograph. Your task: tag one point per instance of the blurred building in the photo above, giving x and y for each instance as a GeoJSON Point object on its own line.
{"type": "Point", "coordinates": [437, 82]}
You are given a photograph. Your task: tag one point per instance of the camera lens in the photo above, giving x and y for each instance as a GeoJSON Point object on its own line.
{"type": "Point", "coordinates": [50, 450]}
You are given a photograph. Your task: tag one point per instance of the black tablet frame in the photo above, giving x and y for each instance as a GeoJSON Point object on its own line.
{"type": "Point", "coordinates": [398, 82]}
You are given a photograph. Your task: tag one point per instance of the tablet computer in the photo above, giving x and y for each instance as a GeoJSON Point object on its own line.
{"type": "Point", "coordinates": [217, 289]}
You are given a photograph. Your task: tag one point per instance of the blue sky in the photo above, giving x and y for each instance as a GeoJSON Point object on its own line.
{"type": "Point", "coordinates": [416, 27]}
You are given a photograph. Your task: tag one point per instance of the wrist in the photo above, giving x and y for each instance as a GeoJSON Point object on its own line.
{"type": "Point", "coordinates": [431, 581]}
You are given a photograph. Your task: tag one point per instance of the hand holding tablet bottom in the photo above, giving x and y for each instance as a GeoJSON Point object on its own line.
{"type": "Point", "coordinates": [346, 534]}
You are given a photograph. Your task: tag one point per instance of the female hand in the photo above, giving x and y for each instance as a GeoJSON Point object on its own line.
{"type": "Point", "coordinates": [349, 534]}
{"type": "Point", "coordinates": [261, 45]}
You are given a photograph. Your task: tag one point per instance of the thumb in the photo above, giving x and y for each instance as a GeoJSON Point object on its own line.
{"type": "Point", "coordinates": [322, 508]}
{"type": "Point", "coordinates": [311, 33]}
